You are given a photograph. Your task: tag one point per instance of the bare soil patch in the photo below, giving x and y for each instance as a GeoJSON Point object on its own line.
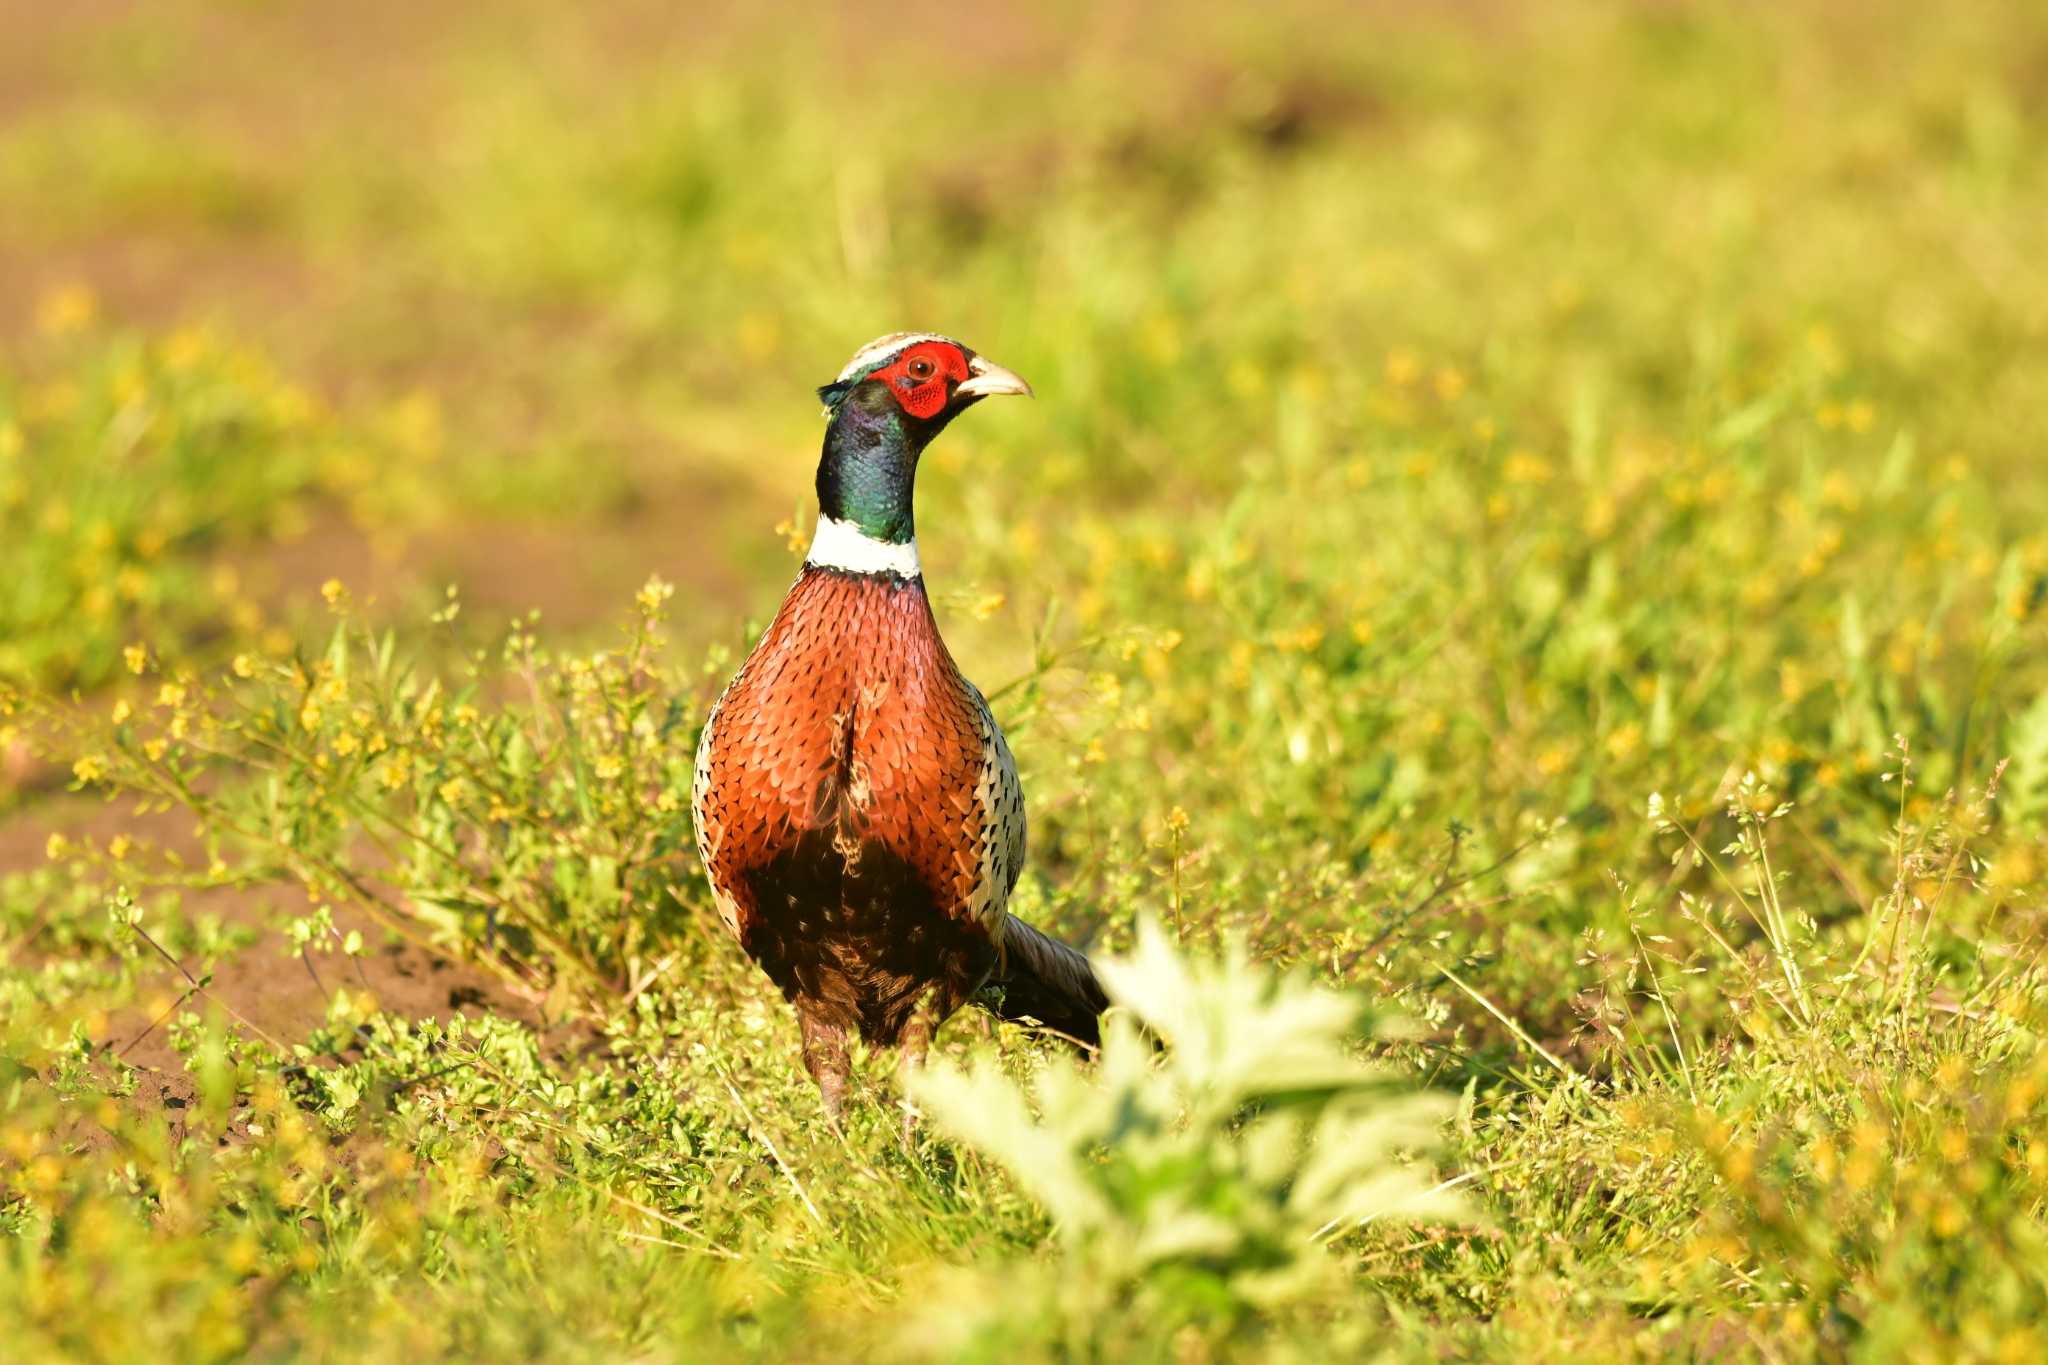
{"type": "Point", "coordinates": [264, 988]}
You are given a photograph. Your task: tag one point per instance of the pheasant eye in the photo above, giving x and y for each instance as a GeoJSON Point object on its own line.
{"type": "Point", "coordinates": [921, 368]}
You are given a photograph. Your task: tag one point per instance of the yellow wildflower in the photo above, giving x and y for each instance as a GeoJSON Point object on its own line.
{"type": "Point", "coordinates": [67, 308]}
{"type": "Point", "coordinates": [1625, 741]}
{"type": "Point", "coordinates": [1245, 379]}
{"type": "Point", "coordinates": [1525, 466]}
{"type": "Point", "coordinates": [653, 593]}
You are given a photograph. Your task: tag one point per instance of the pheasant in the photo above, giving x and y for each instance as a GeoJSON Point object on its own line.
{"type": "Point", "coordinates": [856, 806]}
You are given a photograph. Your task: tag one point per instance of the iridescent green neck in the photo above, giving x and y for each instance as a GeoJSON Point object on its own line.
{"type": "Point", "coordinates": [868, 469]}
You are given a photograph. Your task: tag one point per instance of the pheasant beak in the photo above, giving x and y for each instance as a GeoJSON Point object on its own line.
{"type": "Point", "coordinates": [985, 379]}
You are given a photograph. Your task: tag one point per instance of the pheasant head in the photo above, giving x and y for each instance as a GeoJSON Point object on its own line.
{"type": "Point", "coordinates": [893, 397]}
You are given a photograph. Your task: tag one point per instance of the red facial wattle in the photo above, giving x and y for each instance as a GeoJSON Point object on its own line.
{"type": "Point", "coordinates": [921, 379]}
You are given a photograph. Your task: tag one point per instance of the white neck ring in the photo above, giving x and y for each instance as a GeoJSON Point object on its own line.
{"type": "Point", "coordinates": [843, 545]}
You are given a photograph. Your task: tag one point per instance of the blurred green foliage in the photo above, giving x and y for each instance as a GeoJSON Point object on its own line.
{"type": "Point", "coordinates": [133, 472]}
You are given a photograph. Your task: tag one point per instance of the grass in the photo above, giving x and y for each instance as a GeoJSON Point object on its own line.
{"type": "Point", "coordinates": [1532, 526]}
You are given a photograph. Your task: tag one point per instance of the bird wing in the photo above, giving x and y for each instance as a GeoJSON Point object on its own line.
{"type": "Point", "coordinates": [999, 842]}
{"type": "Point", "coordinates": [708, 818]}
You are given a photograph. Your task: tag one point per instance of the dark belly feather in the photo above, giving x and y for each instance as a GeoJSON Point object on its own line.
{"type": "Point", "coordinates": [849, 928]}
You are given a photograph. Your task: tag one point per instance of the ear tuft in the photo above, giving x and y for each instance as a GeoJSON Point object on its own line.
{"type": "Point", "coordinates": [830, 394]}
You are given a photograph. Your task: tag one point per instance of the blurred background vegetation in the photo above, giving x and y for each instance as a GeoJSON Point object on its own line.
{"type": "Point", "coordinates": [1457, 424]}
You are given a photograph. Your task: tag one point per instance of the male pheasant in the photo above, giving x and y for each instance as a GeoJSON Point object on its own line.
{"type": "Point", "coordinates": [856, 806]}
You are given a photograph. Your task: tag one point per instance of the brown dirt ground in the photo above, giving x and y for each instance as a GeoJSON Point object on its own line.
{"type": "Point", "coordinates": [263, 987]}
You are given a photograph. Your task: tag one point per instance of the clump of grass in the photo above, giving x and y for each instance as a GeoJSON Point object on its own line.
{"type": "Point", "coordinates": [1781, 1129]}
{"type": "Point", "coordinates": [530, 812]}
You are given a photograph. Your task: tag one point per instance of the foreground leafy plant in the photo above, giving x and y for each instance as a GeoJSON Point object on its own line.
{"type": "Point", "coordinates": [1198, 1182]}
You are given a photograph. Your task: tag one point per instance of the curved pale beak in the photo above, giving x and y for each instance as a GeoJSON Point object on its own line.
{"type": "Point", "coordinates": [985, 379]}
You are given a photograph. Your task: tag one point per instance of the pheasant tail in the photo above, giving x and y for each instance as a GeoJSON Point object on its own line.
{"type": "Point", "coordinates": [1045, 980]}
